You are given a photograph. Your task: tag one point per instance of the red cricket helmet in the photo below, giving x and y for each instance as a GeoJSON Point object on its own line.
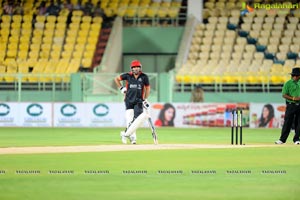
{"type": "Point", "coordinates": [136, 63]}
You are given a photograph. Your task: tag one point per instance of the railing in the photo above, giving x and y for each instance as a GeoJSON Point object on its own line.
{"type": "Point", "coordinates": [241, 86]}
{"type": "Point", "coordinates": [100, 87]}
{"type": "Point", "coordinates": [32, 81]}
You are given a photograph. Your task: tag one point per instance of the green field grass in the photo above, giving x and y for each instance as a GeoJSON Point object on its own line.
{"type": "Point", "coordinates": [95, 136]}
{"type": "Point", "coordinates": [229, 173]}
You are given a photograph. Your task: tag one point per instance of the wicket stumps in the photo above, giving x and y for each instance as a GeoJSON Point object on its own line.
{"type": "Point", "coordinates": [236, 126]}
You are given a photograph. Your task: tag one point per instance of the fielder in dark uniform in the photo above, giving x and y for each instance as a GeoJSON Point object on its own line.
{"type": "Point", "coordinates": [291, 92]}
{"type": "Point", "coordinates": [136, 91]}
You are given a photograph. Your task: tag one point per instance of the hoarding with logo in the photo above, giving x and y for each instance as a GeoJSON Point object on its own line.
{"type": "Point", "coordinates": [163, 114]}
{"type": "Point", "coordinates": [26, 114]}
{"type": "Point", "coordinates": [89, 115]}
{"type": "Point", "coordinates": [8, 114]}
{"type": "Point", "coordinates": [197, 114]}
{"type": "Point", "coordinates": [35, 114]}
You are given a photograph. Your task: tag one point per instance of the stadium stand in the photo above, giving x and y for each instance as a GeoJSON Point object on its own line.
{"type": "Point", "coordinates": [234, 48]}
{"type": "Point", "coordinates": [39, 42]}
{"type": "Point", "coordinates": [51, 38]}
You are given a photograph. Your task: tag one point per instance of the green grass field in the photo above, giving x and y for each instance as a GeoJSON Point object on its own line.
{"type": "Point", "coordinates": [270, 172]}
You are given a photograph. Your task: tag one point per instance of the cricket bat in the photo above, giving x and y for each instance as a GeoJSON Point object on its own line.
{"type": "Point", "coordinates": [154, 135]}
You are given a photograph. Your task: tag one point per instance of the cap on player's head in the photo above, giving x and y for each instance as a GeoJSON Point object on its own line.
{"type": "Point", "coordinates": [136, 63]}
{"type": "Point", "coordinates": [295, 71]}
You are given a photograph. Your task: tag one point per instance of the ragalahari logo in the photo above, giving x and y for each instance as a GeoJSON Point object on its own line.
{"type": "Point", "coordinates": [246, 9]}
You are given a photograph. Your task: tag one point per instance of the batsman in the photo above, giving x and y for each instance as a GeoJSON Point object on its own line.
{"type": "Point", "coordinates": [136, 91]}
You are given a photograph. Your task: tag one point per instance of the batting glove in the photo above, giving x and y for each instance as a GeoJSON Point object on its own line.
{"type": "Point", "coordinates": [123, 89]}
{"type": "Point", "coordinates": [146, 104]}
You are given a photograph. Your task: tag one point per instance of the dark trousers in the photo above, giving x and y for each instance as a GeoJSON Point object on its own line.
{"type": "Point", "coordinates": [292, 113]}
{"type": "Point", "coordinates": [137, 107]}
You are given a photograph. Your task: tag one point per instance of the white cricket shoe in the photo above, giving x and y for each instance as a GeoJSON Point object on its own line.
{"type": "Point", "coordinates": [297, 142]}
{"type": "Point", "coordinates": [123, 137]}
{"type": "Point", "coordinates": [279, 142]}
{"type": "Point", "coordinates": [133, 142]}
{"type": "Point", "coordinates": [132, 139]}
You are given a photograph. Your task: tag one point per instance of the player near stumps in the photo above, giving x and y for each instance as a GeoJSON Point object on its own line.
{"type": "Point", "coordinates": [291, 94]}
{"type": "Point", "coordinates": [136, 91]}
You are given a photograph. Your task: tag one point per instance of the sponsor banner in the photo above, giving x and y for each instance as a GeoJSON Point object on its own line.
{"type": "Point", "coordinates": [26, 114]}
{"type": "Point", "coordinates": [267, 115]}
{"type": "Point", "coordinates": [9, 114]}
{"type": "Point", "coordinates": [35, 114]}
{"type": "Point", "coordinates": [163, 114]}
{"type": "Point", "coordinates": [89, 115]}
{"type": "Point", "coordinates": [68, 115]}
{"type": "Point", "coordinates": [197, 114]}
{"type": "Point", "coordinates": [106, 115]}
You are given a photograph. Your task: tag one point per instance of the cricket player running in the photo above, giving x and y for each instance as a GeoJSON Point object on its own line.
{"type": "Point", "coordinates": [136, 91]}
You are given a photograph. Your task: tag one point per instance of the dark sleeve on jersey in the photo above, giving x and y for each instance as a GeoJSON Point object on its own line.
{"type": "Point", "coordinates": [124, 76]}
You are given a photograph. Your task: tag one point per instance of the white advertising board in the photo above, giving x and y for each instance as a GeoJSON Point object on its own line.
{"type": "Point", "coordinates": [89, 115]}
{"type": "Point", "coordinates": [26, 114]}
{"type": "Point", "coordinates": [9, 114]}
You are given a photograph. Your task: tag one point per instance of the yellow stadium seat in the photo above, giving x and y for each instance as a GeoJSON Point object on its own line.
{"type": "Point", "coordinates": [60, 27]}
{"type": "Point", "coordinates": [49, 69]}
{"type": "Point", "coordinates": [94, 34]}
{"type": "Point", "coordinates": [88, 54]}
{"type": "Point", "coordinates": [70, 40]}
{"type": "Point", "coordinates": [51, 19]}
{"type": "Point", "coordinates": [91, 44]}
{"type": "Point", "coordinates": [83, 33]}
{"type": "Point", "coordinates": [64, 12]}
{"type": "Point", "coordinates": [50, 26]}
{"type": "Point", "coordinates": [5, 26]}
{"type": "Point", "coordinates": [86, 62]}
{"type": "Point", "coordinates": [66, 54]}
{"type": "Point", "coordinates": [35, 47]}
{"type": "Point", "coordinates": [151, 12]}
{"type": "Point", "coordinates": [22, 54]}
{"type": "Point", "coordinates": [15, 25]}
{"type": "Point", "coordinates": [27, 18]}
{"type": "Point", "coordinates": [56, 47]}
{"type": "Point", "coordinates": [23, 46]}
{"type": "Point", "coordinates": [97, 20]}
{"type": "Point", "coordinates": [78, 13]}
{"type": "Point", "coordinates": [81, 40]}
{"type": "Point", "coordinates": [34, 54]}
{"type": "Point", "coordinates": [122, 11]}
{"type": "Point", "coordinates": [13, 39]}
{"type": "Point", "coordinates": [11, 53]}
{"type": "Point", "coordinates": [86, 19]}
{"type": "Point", "coordinates": [85, 26]}
{"type": "Point", "coordinates": [23, 66]}
{"type": "Point", "coordinates": [11, 68]}
{"type": "Point", "coordinates": [6, 18]}
{"type": "Point", "coordinates": [62, 19]}
{"type": "Point", "coordinates": [162, 12]}
{"type": "Point", "coordinates": [17, 18]}
{"type": "Point", "coordinates": [55, 55]}
{"type": "Point", "coordinates": [40, 18]}
{"type": "Point", "coordinates": [47, 39]}
{"type": "Point", "coordinates": [77, 54]}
